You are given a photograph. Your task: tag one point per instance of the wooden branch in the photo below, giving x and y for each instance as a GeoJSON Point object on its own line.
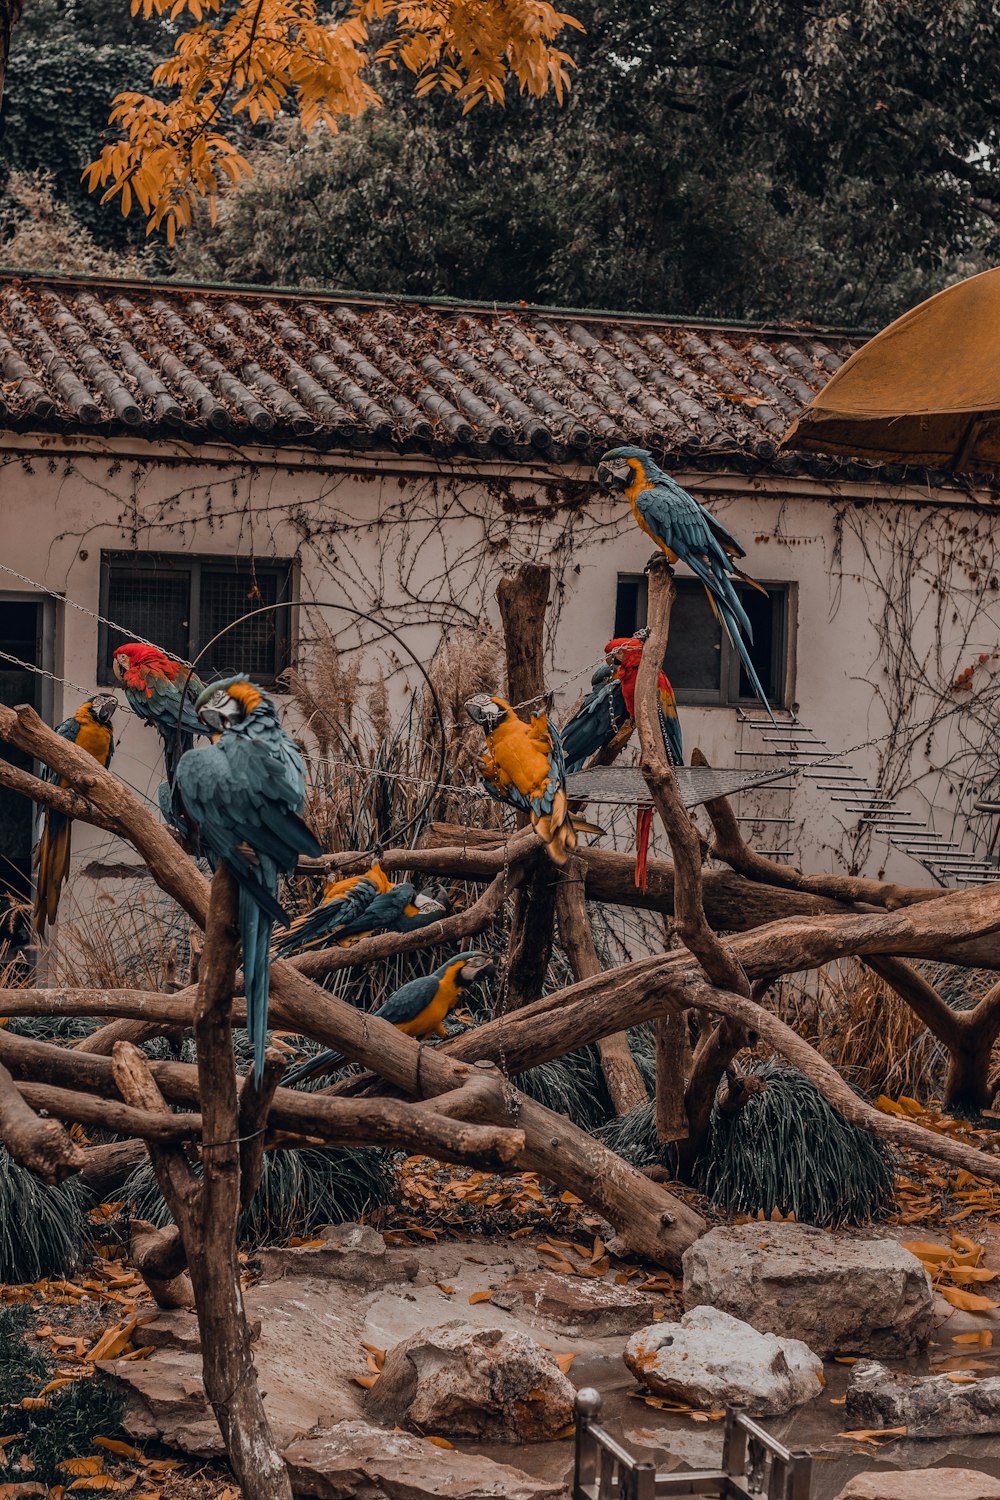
{"type": "Point", "coordinates": [254, 1106]}
{"type": "Point", "coordinates": [685, 843]}
{"type": "Point", "coordinates": [110, 805]}
{"type": "Point", "coordinates": [621, 1073]}
{"type": "Point", "coordinates": [748, 1015]}
{"type": "Point", "coordinates": [732, 848]}
{"type": "Point", "coordinates": [108, 1114]}
{"type": "Point", "coordinates": [107, 1168]}
{"type": "Point", "coordinates": [137, 1086]}
{"type": "Point", "coordinates": [671, 1057]}
{"type": "Point", "coordinates": [160, 1258]}
{"type": "Point", "coordinates": [43, 1146]}
{"type": "Point", "coordinates": [921, 996]}
{"type": "Point", "coordinates": [529, 947]}
{"type": "Point", "coordinates": [389, 1123]}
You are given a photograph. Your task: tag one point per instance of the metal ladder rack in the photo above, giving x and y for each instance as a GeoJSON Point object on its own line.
{"type": "Point", "coordinates": [804, 751]}
{"type": "Point", "coordinates": [755, 1466]}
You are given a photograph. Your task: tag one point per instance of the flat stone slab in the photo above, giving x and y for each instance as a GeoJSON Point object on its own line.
{"type": "Point", "coordinates": [922, 1484]}
{"type": "Point", "coordinates": [308, 1349]}
{"type": "Point", "coordinates": [355, 1461]}
{"type": "Point", "coordinates": [712, 1360]}
{"type": "Point", "coordinates": [839, 1295]}
{"type": "Point", "coordinates": [928, 1406]}
{"type": "Point", "coordinates": [575, 1305]}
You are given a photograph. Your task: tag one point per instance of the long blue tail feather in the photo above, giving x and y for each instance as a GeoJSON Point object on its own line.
{"type": "Point", "coordinates": [732, 630]}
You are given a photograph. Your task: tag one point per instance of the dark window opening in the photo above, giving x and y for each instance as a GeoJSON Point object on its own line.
{"type": "Point", "coordinates": [181, 603]}
{"type": "Point", "coordinates": [700, 661]}
{"type": "Point", "coordinates": [22, 634]}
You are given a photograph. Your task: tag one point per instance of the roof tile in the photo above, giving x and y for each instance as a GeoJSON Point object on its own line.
{"type": "Point", "coordinates": [84, 354]}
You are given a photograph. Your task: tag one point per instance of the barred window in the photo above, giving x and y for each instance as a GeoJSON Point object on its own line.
{"type": "Point", "coordinates": [181, 603]}
{"type": "Point", "coordinates": [702, 665]}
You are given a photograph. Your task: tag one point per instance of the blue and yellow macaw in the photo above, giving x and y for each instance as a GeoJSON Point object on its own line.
{"type": "Point", "coordinates": [523, 766]}
{"type": "Point", "coordinates": [418, 1008]}
{"type": "Point", "coordinates": [600, 718]}
{"type": "Point", "coordinates": [686, 532]}
{"type": "Point", "coordinates": [90, 728]}
{"type": "Point", "coordinates": [352, 908]}
{"type": "Point", "coordinates": [246, 792]}
{"type": "Point", "coordinates": [158, 690]}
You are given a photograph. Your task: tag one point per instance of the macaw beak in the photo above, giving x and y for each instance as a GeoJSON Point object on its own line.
{"type": "Point", "coordinates": [483, 711]}
{"type": "Point", "coordinates": [212, 718]}
{"type": "Point", "coordinates": [103, 708]}
{"type": "Point", "coordinates": [425, 903]}
{"type": "Point", "coordinates": [613, 476]}
{"type": "Point", "coordinates": [478, 966]}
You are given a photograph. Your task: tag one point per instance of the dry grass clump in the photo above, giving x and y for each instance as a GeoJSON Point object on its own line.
{"type": "Point", "coordinates": [871, 1036]}
{"type": "Point", "coordinates": [374, 757]}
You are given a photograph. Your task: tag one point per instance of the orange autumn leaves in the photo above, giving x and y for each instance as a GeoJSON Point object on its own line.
{"type": "Point", "coordinates": [956, 1270]}
{"type": "Point", "coordinates": [260, 58]}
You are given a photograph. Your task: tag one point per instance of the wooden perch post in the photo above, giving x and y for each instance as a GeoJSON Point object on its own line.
{"type": "Point", "coordinates": [206, 1211]}
{"type": "Point", "coordinates": [689, 912]}
{"type": "Point", "coordinates": [523, 599]}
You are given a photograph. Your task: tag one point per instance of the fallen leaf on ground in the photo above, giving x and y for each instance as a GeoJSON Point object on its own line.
{"type": "Point", "coordinates": [439, 1442]}
{"type": "Point", "coordinates": [475, 1297]}
{"type": "Point", "coordinates": [872, 1434]}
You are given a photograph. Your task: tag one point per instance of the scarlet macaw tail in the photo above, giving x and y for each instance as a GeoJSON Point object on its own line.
{"type": "Point", "coordinates": [643, 828]}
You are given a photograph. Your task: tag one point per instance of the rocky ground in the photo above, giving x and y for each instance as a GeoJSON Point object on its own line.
{"type": "Point", "coordinates": [434, 1360]}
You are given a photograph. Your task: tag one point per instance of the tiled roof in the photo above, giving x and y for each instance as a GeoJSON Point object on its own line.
{"type": "Point", "coordinates": [255, 366]}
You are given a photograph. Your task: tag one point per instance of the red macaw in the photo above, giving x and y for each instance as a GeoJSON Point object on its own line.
{"type": "Point", "coordinates": [157, 688]}
{"type": "Point", "coordinates": [626, 654]}
{"type": "Point", "coordinates": [90, 728]}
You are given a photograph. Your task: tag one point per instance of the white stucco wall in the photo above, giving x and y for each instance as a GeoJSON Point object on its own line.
{"type": "Point", "coordinates": [896, 593]}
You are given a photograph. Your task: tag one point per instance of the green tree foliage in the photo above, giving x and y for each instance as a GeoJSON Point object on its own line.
{"type": "Point", "coordinates": [788, 159]}
{"type": "Point", "coordinates": [68, 60]}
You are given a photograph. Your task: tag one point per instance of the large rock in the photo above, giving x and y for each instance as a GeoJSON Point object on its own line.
{"type": "Point", "coordinates": [712, 1360]}
{"type": "Point", "coordinates": [462, 1381]}
{"type": "Point", "coordinates": [575, 1305]}
{"type": "Point", "coordinates": [355, 1461]}
{"type": "Point", "coordinates": [352, 1252]}
{"type": "Point", "coordinates": [839, 1295]}
{"type": "Point", "coordinates": [922, 1484]}
{"type": "Point", "coordinates": [928, 1406]}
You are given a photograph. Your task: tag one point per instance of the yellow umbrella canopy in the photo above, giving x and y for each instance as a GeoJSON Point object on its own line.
{"type": "Point", "coordinates": [926, 390]}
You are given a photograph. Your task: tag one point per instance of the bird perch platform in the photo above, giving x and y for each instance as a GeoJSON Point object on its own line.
{"type": "Point", "coordinates": [625, 786]}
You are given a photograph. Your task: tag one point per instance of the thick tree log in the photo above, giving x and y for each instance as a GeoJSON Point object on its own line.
{"type": "Point", "coordinates": [621, 1074]}
{"type": "Point", "coordinates": [43, 1146]}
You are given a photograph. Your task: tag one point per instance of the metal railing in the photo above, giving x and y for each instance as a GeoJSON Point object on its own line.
{"type": "Point", "coordinates": [754, 1465]}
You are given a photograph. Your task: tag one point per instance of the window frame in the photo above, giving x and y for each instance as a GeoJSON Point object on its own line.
{"type": "Point", "coordinates": [192, 565]}
{"type": "Point", "coordinates": [727, 695]}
